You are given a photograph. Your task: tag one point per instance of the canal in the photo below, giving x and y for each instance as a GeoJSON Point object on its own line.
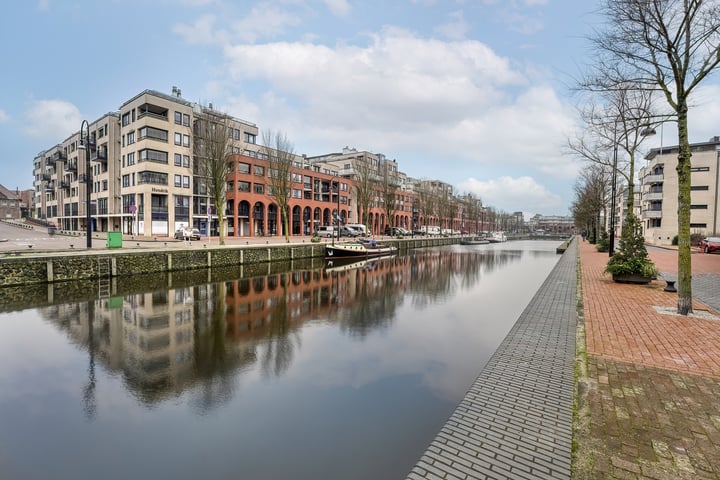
{"type": "Point", "coordinates": [346, 371]}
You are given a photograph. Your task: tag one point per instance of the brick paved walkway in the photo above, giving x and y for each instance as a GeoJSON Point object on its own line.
{"type": "Point", "coordinates": [650, 407]}
{"type": "Point", "coordinates": [516, 420]}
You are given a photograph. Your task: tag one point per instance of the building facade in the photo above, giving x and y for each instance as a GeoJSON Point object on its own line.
{"type": "Point", "coordinates": [659, 192]}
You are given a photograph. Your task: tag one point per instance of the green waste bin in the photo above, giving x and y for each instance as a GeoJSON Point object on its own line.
{"type": "Point", "coordinates": [114, 239]}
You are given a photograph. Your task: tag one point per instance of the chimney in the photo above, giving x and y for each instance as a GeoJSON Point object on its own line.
{"type": "Point", "coordinates": [174, 91]}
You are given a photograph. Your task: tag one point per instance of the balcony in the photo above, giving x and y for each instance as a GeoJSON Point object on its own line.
{"type": "Point", "coordinates": [100, 154]}
{"type": "Point", "coordinates": [653, 196]}
{"type": "Point", "coordinates": [653, 178]}
{"type": "Point", "coordinates": [50, 161]}
{"type": "Point", "coordinates": [65, 185]}
{"type": "Point", "coordinates": [71, 167]}
{"type": "Point", "coordinates": [651, 213]}
{"type": "Point", "coordinates": [60, 156]}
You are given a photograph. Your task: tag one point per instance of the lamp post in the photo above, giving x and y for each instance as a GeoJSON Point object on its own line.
{"type": "Point", "coordinates": [86, 144]}
{"type": "Point", "coordinates": [611, 247]}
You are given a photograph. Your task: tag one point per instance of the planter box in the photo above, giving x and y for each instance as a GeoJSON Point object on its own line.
{"type": "Point", "coordinates": [630, 278]}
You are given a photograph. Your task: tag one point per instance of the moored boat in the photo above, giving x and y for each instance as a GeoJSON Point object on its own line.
{"type": "Point", "coordinates": [497, 237]}
{"type": "Point", "coordinates": [474, 241]}
{"type": "Point", "coordinates": [358, 250]}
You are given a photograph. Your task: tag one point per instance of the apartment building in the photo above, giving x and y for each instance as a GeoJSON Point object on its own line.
{"type": "Point", "coordinates": [659, 192]}
{"type": "Point", "coordinates": [64, 173]}
{"type": "Point", "coordinates": [361, 167]}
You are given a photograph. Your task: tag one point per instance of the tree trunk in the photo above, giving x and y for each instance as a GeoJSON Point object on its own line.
{"type": "Point", "coordinates": [684, 278]}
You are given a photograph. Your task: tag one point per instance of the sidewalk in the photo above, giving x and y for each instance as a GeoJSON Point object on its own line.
{"type": "Point", "coordinates": [650, 398]}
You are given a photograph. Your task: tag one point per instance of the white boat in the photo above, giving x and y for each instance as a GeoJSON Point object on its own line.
{"type": "Point", "coordinates": [497, 237]}
{"type": "Point", "coordinates": [360, 249]}
{"type": "Point", "coordinates": [474, 241]}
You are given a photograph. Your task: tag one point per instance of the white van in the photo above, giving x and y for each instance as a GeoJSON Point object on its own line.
{"type": "Point", "coordinates": [359, 227]}
{"type": "Point", "coordinates": [327, 231]}
{"type": "Point", "coordinates": [431, 230]}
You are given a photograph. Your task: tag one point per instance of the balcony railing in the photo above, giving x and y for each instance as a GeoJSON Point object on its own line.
{"type": "Point", "coordinates": [653, 196]}
{"type": "Point", "coordinates": [99, 155]}
{"type": "Point", "coordinates": [650, 213]}
{"type": "Point", "coordinates": [653, 178]}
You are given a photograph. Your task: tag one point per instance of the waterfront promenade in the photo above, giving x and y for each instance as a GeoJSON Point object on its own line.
{"type": "Point", "coordinates": [648, 390]}
{"type": "Point", "coordinates": [648, 383]}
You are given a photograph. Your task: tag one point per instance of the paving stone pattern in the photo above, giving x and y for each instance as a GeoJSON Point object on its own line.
{"type": "Point", "coordinates": [653, 380]}
{"type": "Point", "coordinates": [515, 422]}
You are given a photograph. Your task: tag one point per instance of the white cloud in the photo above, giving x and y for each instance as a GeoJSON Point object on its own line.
{"type": "Point", "coordinates": [43, 6]}
{"type": "Point", "coordinates": [4, 117]}
{"type": "Point", "coordinates": [456, 28]}
{"type": "Point", "coordinates": [202, 32]}
{"type": "Point", "coordinates": [52, 119]}
{"type": "Point", "coordinates": [339, 8]}
{"type": "Point", "coordinates": [514, 194]}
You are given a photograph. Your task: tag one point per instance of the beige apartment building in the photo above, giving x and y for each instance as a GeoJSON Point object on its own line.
{"type": "Point", "coordinates": [659, 189]}
{"type": "Point", "coordinates": [141, 171]}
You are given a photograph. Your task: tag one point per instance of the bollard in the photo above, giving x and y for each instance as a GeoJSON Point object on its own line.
{"type": "Point", "coordinates": [670, 286]}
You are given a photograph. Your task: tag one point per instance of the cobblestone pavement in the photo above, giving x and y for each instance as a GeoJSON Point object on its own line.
{"type": "Point", "coordinates": [649, 403]}
{"type": "Point", "coordinates": [515, 422]}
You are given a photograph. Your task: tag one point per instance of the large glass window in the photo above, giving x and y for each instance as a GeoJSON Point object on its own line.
{"type": "Point", "coordinates": [250, 138]}
{"type": "Point", "coordinates": [258, 188]}
{"type": "Point", "coordinates": [153, 133]}
{"type": "Point", "coordinates": [155, 178]}
{"type": "Point", "coordinates": [259, 170]}
{"type": "Point", "coordinates": [243, 167]}
{"type": "Point", "coordinates": [243, 186]}
{"type": "Point", "coordinates": [157, 156]}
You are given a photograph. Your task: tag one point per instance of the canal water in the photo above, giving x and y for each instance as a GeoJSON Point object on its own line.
{"type": "Point", "coordinates": [346, 371]}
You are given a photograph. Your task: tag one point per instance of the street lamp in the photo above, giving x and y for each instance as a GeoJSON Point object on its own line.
{"type": "Point", "coordinates": [87, 144]}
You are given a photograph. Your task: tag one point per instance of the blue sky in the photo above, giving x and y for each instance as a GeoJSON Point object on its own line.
{"type": "Point", "coordinates": [477, 93]}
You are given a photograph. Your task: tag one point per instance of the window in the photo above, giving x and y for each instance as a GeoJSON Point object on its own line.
{"type": "Point", "coordinates": [186, 161]}
{"type": "Point", "coordinates": [186, 140]}
{"type": "Point", "coordinates": [700, 169]}
{"type": "Point", "coordinates": [131, 137]}
{"type": "Point", "coordinates": [126, 119]}
{"type": "Point", "coordinates": [126, 180]}
{"type": "Point", "coordinates": [250, 138]}
{"type": "Point", "coordinates": [153, 133]}
{"type": "Point", "coordinates": [157, 156]}
{"type": "Point", "coordinates": [104, 185]}
{"type": "Point", "coordinates": [698, 225]}
{"type": "Point", "coordinates": [259, 170]}
{"type": "Point", "coordinates": [131, 158]}
{"type": "Point", "coordinates": [156, 178]}
{"type": "Point", "coordinates": [698, 207]}
{"type": "Point", "coordinates": [243, 167]}
{"type": "Point", "coordinates": [186, 181]}
{"type": "Point", "coordinates": [178, 180]}
{"type": "Point", "coordinates": [178, 139]}
{"type": "Point", "coordinates": [258, 188]}
{"type": "Point", "coordinates": [296, 193]}
{"type": "Point", "coordinates": [178, 118]}
{"type": "Point", "coordinates": [186, 119]}
{"type": "Point", "coordinates": [699, 187]}
{"type": "Point", "coordinates": [243, 186]}
{"type": "Point", "coordinates": [230, 186]}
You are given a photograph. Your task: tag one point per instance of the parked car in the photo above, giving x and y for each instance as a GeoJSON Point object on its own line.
{"type": "Point", "coordinates": [348, 232]}
{"type": "Point", "coordinates": [191, 233]}
{"type": "Point", "coordinates": [710, 244]}
{"type": "Point", "coordinates": [326, 231]}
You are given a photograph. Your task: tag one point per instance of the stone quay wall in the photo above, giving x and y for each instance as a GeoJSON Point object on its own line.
{"type": "Point", "coordinates": [50, 267]}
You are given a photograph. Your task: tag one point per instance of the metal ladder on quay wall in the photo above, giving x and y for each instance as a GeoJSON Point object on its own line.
{"type": "Point", "coordinates": [104, 266]}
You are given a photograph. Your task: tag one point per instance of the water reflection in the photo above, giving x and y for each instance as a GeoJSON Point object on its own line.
{"type": "Point", "coordinates": [163, 342]}
{"type": "Point", "coordinates": [320, 365]}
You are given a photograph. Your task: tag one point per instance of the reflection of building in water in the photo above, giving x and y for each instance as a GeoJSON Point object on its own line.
{"type": "Point", "coordinates": [166, 341]}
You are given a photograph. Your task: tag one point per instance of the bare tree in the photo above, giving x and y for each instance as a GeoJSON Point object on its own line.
{"type": "Point", "coordinates": [280, 152]}
{"type": "Point", "coordinates": [671, 46]}
{"type": "Point", "coordinates": [426, 202]}
{"type": "Point", "coordinates": [212, 146]}
{"type": "Point", "coordinates": [364, 185]}
{"type": "Point", "coordinates": [387, 186]}
{"type": "Point", "coordinates": [619, 119]}
{"type": "Point", "coordinates": [590, 200]}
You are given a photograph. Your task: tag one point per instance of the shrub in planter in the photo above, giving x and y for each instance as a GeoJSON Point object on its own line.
{"type": "Point", "coordinates": [631, 258]}
{"type": "Point", "coordinates": [315, 238]}
{"type": "Point", "coordinates": [603, 243]}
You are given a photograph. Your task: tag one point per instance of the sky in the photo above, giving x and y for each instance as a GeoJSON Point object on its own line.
{"type": "Point", "coordinates": [477, 93]}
